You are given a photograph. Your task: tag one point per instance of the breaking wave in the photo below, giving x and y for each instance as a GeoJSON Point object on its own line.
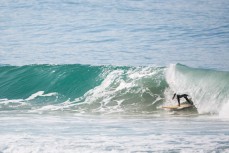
{"type": "Point", "coordinates": [110, 89]}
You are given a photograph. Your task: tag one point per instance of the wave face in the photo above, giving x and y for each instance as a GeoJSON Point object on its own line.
{"type": "Point", "coordinates": [110, 89]}
{"type": "Point", "coordinates": [81, 88]}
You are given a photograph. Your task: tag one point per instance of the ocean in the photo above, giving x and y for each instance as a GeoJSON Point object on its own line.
{"type": "Point", "coordinates": [93, 76]}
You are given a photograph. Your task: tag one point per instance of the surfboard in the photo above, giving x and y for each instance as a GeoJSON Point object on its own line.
{"type": "Point", "coordinates": [181, 107]}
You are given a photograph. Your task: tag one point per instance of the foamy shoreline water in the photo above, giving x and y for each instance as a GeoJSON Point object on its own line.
{"type": "Point", "coordinates": [24, 133]}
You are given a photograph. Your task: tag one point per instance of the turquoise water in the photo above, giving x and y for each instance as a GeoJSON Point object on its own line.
{"type": "Point", "coordinates": [92, 76]}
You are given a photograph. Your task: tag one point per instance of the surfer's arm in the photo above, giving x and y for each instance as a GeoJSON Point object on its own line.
{"type": "Point", "coordinates": [174, 96]}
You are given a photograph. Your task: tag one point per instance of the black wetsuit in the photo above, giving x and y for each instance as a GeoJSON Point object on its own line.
{"type": "Point", "coordinates": [182, 96]}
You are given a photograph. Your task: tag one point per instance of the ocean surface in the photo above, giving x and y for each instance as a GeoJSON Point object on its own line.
{"type": "Point", "coordinates": [92, 76]}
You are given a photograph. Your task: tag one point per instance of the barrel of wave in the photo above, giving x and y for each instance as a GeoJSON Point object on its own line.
{"type": "Point", "coordinates": [209, 89]}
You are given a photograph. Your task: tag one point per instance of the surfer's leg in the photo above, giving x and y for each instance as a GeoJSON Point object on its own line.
{"type": "Point", "coordinates": [188, 100]}
{"type": "Point", "coordinates": [178, 100]}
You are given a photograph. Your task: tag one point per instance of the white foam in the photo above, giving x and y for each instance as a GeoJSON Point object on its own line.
{"type": "Point", "coordinates": [41, 94]}
{"type": "Point", "coordinates": [33, 96]}
{"type": "Point", "coordinates": [224, 112]}
{"type": "Point", "coordinates": [38, 134]}
{"type": "Point", "coordinates": [13, 103]}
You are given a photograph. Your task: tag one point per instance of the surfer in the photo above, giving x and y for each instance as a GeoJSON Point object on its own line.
{"type": "Point", "coordinates": [182, 96]}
